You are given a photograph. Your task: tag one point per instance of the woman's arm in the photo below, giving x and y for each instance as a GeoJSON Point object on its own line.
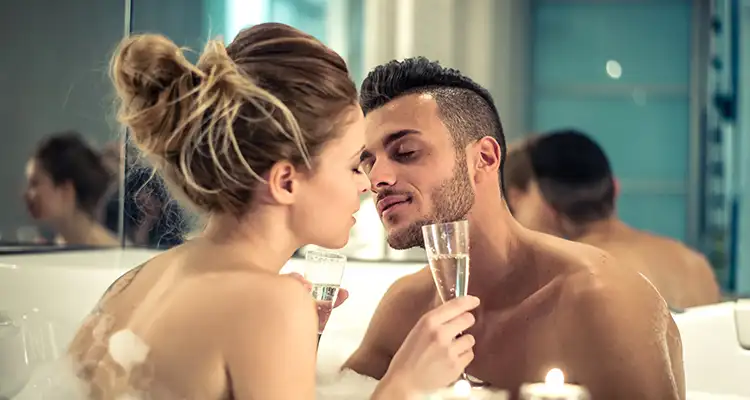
{"type": "Point", "coordinates": [271, 344]}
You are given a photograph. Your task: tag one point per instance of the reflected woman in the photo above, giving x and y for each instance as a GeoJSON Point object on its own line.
{"type": "Point", "coordinates": [264, 138]}
{"type": "Point", "coordinates": [66, 180]}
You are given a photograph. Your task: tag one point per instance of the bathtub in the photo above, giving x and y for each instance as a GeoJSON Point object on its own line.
{"type": "Point", "coordinates": [51, 293]}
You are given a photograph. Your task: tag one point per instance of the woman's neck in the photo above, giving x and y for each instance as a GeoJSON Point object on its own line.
{"type": "Point", "coordinates": [261, 239]}
{"type": "Point", "coordinates": [82, 229]}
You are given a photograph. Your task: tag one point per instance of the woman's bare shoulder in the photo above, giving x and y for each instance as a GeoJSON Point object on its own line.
{"type": "Point", "coordinates": [256, 294]}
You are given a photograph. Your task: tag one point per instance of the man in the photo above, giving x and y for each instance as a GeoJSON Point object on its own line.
{"type": "Point", "coordinates": [561, 183]}
{"type": "Point", "coordinates": [434, 150]}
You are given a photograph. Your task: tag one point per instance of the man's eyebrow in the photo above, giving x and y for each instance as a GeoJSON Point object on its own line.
{"type": "Point", "coordinates": [390, 138]}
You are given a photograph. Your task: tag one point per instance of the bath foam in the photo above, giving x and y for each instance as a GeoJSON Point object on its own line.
{"type": "Point", "coordinates": [127, 349]}
{"type": "Point", "coordinates": [55, 380]}
{"type": "Point", "coordinates": [128, 396]}
{"type": "Point", "coordinates": [694, 395]}
{"type": "Point", "coordinates": [346, 385]}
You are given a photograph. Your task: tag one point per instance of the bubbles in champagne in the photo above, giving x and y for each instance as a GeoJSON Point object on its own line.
{"type": "Point", "coordinates": [451, 274]}
{"type": "Point", "coordinates": [325, 297]}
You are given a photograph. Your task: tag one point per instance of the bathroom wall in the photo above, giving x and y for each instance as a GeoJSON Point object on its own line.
{"type": "Point", "coordinates": [620, 71]}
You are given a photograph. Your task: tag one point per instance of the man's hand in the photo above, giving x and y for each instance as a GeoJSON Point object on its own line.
{"type": "Point", "coordinates": [340, 299]}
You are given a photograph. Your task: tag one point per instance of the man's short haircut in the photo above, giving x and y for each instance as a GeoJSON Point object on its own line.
{"type": "Point", "coordinates": [572, 171]}
{"type": "Point", "coordinates": [465, 107]}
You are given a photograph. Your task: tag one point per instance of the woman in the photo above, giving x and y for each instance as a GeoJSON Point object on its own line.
{"type": "Point", "coordinates": [66, 180]}
{"type": "Point", "coordinates": [264, 138]}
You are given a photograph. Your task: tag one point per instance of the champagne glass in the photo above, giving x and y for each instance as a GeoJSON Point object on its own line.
{"type": "Point", "coordinates": [324, 270]}
{"type": "Point", "coordinates": [447, 248]}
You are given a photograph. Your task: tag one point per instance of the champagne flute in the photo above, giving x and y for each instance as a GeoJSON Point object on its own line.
{"type": "Point", "coordinates": [324, 270]}
{"type": "Point", "coordinates": [447, 248]}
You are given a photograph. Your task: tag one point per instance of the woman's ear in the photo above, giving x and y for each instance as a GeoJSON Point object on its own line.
{"type": "Point", "coordinates": [283, 182]}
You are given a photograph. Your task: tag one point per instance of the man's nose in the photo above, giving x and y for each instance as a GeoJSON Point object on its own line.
{"type": "Point", "coordinates": [382, 174]}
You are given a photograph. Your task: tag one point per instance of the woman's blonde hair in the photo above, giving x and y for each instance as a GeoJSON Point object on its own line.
{"type": "Point", "coordinates": [214, 128]}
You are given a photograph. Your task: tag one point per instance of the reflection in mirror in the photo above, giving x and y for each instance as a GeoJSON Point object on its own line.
{"type": "Point", "coordinates": [58, 131]}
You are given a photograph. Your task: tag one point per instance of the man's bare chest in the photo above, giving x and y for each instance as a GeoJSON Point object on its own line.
{"type": "Point", "coordinates": [515, 346]}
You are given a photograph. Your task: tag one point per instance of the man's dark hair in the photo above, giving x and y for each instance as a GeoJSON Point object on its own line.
{"type": "Point", "coordinates": [573, 174]}
{"type": "Point", "coordinates": [66, 157]}
{"type": "Point", "coordinates": [466, 108]}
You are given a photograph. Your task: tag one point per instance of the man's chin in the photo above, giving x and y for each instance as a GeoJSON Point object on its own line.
{"type": "Point", "coordinates": [405, 238]}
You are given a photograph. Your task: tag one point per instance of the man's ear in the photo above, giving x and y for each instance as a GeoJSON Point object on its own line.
{"type": "Point", "coordinates": [487, 158]}
{"type": "Point", "coordinates": [283, 182]}
{"type": "Point", "coordinates": [616, 184]}
{"type": "Point", "coordinates": [489, 153]}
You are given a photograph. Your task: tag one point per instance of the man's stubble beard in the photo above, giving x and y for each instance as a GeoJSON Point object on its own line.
{"type": "Point", "coordinates": [451, 201]}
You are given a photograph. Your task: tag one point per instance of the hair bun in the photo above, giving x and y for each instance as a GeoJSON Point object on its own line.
{"type": "Point", "coordinates": [153, 80]}
{"type": "Point", "coordinates": [147, 65]}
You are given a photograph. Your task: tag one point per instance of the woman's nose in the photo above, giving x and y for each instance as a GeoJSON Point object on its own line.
{"type": "Point", "coordinates": [363, 183]}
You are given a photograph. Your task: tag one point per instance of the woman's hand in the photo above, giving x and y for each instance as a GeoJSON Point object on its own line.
{"type": "Point", "coordinates": [433, 356]}
{"type": "Point", "coordinates": [340, 298]}
{"type": "Point", "coordinates": [324, 308]}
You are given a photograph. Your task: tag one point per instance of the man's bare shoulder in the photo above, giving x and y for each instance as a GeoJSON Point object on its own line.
{"type": "Point", "coordinates": [572, 258]}
{"type": "Point", "coordinates": [590, 273]}
{"type": "Point", "coordinates": [616, 313]}
{"type": "Point", "coordinates": [594, 279]}
{"type": "Point", "coordinates": [411, 294]}
{"type": "Point", "coordinates": [406, 300]}
{"type": "Point", "coordinates": [414, 284]}
{"type": "Point", "coordinates": [683, 254]}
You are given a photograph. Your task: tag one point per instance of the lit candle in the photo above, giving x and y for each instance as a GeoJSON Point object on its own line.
{"type": "Point", "coordinates": [553, 388]}
{"type": "Point", "coordinates": [462, 390]}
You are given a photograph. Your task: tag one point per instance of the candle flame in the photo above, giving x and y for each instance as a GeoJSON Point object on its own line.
{"type": "Point", "coordinates": [462, 388]}
{"type": "Point", "coordinates": [555, 378]}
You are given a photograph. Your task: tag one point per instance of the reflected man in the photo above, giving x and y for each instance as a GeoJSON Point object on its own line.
{"type": "Point", "coordinates": [561, 183]}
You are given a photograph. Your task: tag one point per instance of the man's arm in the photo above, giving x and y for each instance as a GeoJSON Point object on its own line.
{"type": "Point", "coordinates": [703, 286]}
{"type": "Point", "coordinates": [620, 341]}
{"type": "Point", "coordinates": [398, 310]}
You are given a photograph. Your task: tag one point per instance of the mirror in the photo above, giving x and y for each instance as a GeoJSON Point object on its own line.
{"type": "Point", "coordinates": [59, 160]}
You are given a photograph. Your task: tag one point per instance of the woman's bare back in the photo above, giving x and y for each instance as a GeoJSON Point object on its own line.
{"type": "Point", "coordinates": [156, 332]}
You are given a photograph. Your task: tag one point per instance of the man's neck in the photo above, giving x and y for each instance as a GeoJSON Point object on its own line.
{"type": "Point", "coordinates": [603, 229]}
{"type": "Point", "coordinates": [497, 247]}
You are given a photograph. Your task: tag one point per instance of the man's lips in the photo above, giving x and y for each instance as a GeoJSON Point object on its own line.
{"type": "Point", "coordinates": [389, 201]}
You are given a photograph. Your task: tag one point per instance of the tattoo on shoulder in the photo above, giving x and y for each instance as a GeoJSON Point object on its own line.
{"type": "Point", "coordinates": [121, 283]}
